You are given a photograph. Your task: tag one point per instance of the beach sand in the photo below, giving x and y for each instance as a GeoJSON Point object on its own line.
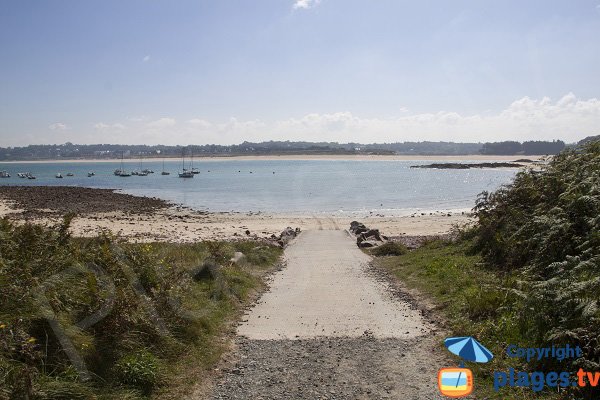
{"type": "Point", "coordinates": [147, 220]}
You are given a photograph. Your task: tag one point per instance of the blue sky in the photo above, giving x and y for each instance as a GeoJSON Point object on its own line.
{"type": "Point", "coordinates": [225, 71]}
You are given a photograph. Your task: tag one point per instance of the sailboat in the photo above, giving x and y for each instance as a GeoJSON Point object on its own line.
{"type": "Point", "coordinates": [121, 171]}
{"type": "Point", "coordinates": [163, 171]}
{"type": "Point", "coordinates": [146, 171]}
{"type": "Point", "coordinates": [185, 173]}
{"type": "Point", "coordinates": [141, 172]}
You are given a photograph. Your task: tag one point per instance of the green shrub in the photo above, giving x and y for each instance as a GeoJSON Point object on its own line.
{"type": "Point", "coordinates": [544, 228]}
{"type": "Point", "coordinates": [389, 249]}
{"type": "Point", "coordinates": [140, 370]}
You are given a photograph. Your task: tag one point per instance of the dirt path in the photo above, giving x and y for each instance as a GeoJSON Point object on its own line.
{"type": "Point", "coordinates": [327, 329]}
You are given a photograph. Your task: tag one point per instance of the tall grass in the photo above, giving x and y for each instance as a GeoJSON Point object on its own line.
{"type": "Point", "coordinates": [97, 318]}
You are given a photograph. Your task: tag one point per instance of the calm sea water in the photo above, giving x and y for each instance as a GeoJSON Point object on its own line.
{"type": "Point", "coordinates": [284, 186]}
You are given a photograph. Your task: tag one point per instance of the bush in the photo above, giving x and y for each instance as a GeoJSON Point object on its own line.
{"type": "Point", "coordinates": [544, 228]}
{"type": "Point", "coordinates": [140, 370]}
{"type": "Point", "coordinates": [389, 249]}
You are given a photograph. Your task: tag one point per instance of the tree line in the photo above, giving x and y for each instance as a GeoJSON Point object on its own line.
{"type": "Point", "coordinates": [116, 151]}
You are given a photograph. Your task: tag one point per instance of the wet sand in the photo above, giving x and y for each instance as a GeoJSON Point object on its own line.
{"type": "Point", "coordinates": [144, 219]}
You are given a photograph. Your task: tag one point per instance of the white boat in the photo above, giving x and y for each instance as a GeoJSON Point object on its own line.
{"type": "Point", "coordinates": [163, 171]}
{"type": "Point", "coordinates": [29, 176]}
{"type": "Point", "coordinates": [185, 173]}
{"type": "Point", "coordinates": [4, 174]}
{"type": "Point", "coordinates": [142, 171]}
{"type": "Point", "coordinates": [22, 174]}
{"type": "Point", "coordinates": [121, 171]}
{"type": "Point", "coordinates": [59, 176]}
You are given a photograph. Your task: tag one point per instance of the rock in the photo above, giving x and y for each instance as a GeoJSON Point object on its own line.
{"type": "Point", "coordinates": [286, 236]}
{"type": "Point", "coordinates": [361, 229]}
{"type": "Point", "coordinates": [368, 243]}
{"type": "Point", "coordinates": [373, 233]}
{"type": "Point", "coordinates": [354, 225]}
{"type": "Point", "coordinates": [357, 228]}
{"type": "Point", "coordinates": [237, 257]}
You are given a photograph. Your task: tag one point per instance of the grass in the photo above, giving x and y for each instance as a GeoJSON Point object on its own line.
{"type": "Point", "coordinates": [161, 324]}
{"type": "Point", "coordinates": [473, 301]}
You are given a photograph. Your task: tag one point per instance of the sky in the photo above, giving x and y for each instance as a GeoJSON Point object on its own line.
{"type": "Point", "coordinates": [226, 71]}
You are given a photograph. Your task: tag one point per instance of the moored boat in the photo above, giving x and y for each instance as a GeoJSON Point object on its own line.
{"type": "Point", "coordinates": [4, 174]}
{"type": "Point", "coordinates": [163, 171]}
{"type": "Point", "coordinates": [185, 173]}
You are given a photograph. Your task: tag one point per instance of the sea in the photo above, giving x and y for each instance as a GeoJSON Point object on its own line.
{"type": "Point", "coordinates": [334, 187]}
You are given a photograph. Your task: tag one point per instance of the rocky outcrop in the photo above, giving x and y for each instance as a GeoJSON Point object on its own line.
{"type": "Point", "coordinates": [286, 236]}
{"type": "Point", "coordinates": [469, 165]}
{"type": "Point", "coordinates": [366, 237]}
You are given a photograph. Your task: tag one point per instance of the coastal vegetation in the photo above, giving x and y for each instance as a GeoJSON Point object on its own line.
{"type": "Point", "coordinates": [103, 319]}
{"type": "Point", "coordinates": [527, 273]}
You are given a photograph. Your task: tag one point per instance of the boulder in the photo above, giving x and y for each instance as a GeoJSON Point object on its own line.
{"type": "Point", "coordinates": [361, 229]}
{"type": "Point", "coordinates": [237, 257]}
{"type": "Point", "coordinates": [354, 225]}
{"type": "Point", "coordinates": [287, 235]}
{"type": "Point", "coordinates": [373, 233]}
{"type": "Point", "coordinates": [368, 243]}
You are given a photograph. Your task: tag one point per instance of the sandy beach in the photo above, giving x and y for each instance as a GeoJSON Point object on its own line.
{"type": "Point", "coordinates": [144, 219]}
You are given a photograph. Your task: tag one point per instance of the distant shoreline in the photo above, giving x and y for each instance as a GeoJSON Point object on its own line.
{"type": "Point", "coordinates": [365, 157]}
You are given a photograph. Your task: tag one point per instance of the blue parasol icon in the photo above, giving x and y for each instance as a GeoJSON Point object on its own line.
{"type": "Point", "coordinates": [468, 348]}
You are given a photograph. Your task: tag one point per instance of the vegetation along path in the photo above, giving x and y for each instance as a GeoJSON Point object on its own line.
{"type": "Point", "coordinates": [328, 329]}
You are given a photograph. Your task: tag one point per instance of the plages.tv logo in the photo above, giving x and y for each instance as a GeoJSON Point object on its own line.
{"type": "Point", "coordinates": [458, 382]}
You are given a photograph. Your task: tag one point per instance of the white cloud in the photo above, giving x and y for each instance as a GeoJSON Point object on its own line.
{"type": "Point", "coordinates": [102, 126]}
{"type": "Point", "coordinates": [146, 59]}
{"type": "Point", "coordinates": [198, 122]}
{"type": "Point", "coordinates": [58, 126]}
{"type": "Point", "coordinates": [161, 123]}
{"type": "Point", "coordinates": [568, 118]}
{"type": "Point", "coordinates": [305, 4]}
